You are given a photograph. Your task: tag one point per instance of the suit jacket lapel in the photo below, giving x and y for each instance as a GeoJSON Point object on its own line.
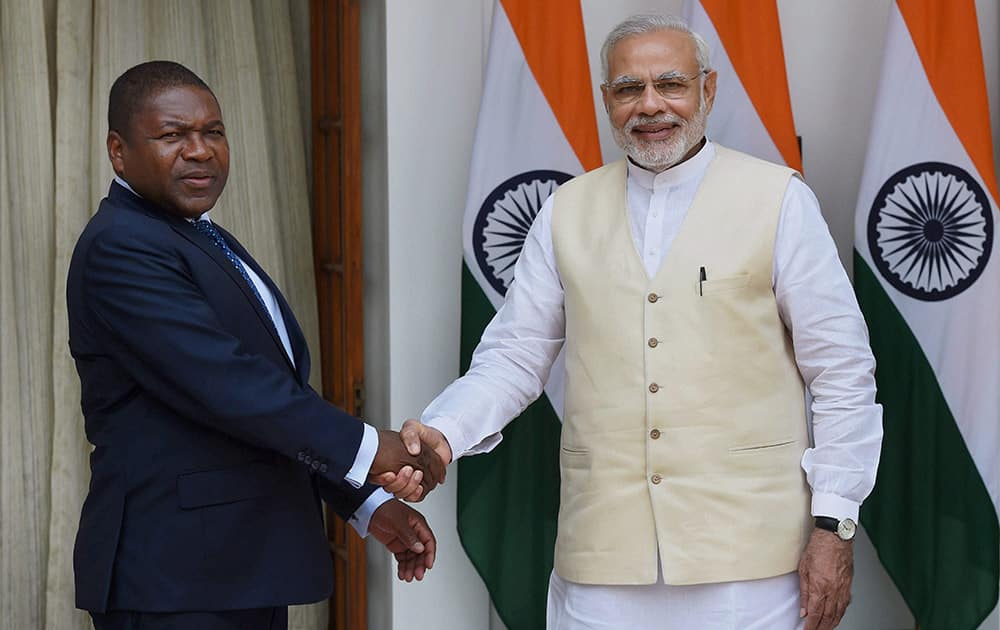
{"type": "Point", "coordinates": [295, 337]}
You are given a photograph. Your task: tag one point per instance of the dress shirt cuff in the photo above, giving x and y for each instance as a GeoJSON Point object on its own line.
{"type": "Point", "coordinates": [825, 504]}
{"type": "Point", "coordinates": [358, 473]}
{"type": "Point", "coordinates": [460, 447]}
{"type": "Point", "coordinates": [363, 515]}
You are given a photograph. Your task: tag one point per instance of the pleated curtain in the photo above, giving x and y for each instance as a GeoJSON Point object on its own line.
{"type": "Point", "coordinates": [58, 59]}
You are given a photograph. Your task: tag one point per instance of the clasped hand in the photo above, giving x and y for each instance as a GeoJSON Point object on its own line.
{"type": "Point", "coordinates": [411, 463]}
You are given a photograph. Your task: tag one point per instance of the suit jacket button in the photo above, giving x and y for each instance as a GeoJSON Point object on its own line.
{"type": "Point", "coordinates": [653, 388]}
{"type": "Point", "coordinates": [656, 478]}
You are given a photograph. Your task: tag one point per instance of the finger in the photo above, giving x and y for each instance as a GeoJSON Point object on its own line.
{"type": "Point", "coordinates": [401, 565]}
{"type": "Point", "coordinates": [408, 535]}
{"type": "Point", "coordinates": [403, 479]}
{"type": "Point", "coordinates": [404, 568]}
{"type": "Point", "coordinates": [814, 614]}
{"type": "Point", "coordinates": [382, 480]}
{"type": "Point", "coordinates": [416, 496]}
{"type": "Point", "coordinates": [418, 571]}
{"type": "Point", "coordinates": [412, 486]}
{"type": "Point", "coordinates": [426, 536]}
{"type": "Point", "coordinates": [839, 613]}
{"type": "Point", "coordinates": [803, 593]}
{"type": "Point", "coordinates": [410, 433]}
{"type": "Point", "coordinates": [829, 620]}
{"type": "Point", "coordinates": [410, 564]}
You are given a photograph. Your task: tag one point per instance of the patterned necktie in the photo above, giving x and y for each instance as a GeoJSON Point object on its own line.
{"type": "Point", "coordinates": [205, 227]}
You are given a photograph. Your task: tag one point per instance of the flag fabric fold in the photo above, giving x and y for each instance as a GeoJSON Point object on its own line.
{"type": "Point", "coordinates": [928, 281]}
{"type": "Point", "coordinates": [536, 130]}
{"type": "Point", "coordinates": [752, 111]}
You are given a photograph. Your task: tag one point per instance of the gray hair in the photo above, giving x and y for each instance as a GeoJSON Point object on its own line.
{"type": "Point", "coordinates": [650, 23]}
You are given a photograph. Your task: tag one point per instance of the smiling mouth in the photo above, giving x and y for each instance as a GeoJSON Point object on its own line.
{"type": "Point", "coordinates": [655, 132]}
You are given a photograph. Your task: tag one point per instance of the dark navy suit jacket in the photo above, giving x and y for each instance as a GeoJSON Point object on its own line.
{"type": "Point", "coordinates": [210, 450]}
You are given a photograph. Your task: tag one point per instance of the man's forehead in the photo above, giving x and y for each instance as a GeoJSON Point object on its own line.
{"type": "Point", "coordinates": [181, 102]}
{"type": "Point", "coordinates": [653, 54]}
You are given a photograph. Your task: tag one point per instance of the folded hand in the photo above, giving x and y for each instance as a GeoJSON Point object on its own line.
{"type": "Point", "coordinates": [405, 533]}
{"type": "Point", "coordinates": [825, 573]}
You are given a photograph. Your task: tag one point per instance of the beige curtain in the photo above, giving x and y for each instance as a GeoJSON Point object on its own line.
{"type": "Point", "coordinates": [57, 61]}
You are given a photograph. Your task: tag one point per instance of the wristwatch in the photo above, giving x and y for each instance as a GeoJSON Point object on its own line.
{"type": "Point", "coordinates": [844, 529]}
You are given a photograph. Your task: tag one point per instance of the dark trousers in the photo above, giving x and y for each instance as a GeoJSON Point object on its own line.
{"type": "Point", "coordinates": [255, 619]}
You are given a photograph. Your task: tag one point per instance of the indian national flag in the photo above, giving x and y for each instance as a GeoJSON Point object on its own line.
{"type": "Point", "coordinates": [752, 111]}
{"type": "Point", "coordinates": [536, 130]}
{"type": "Point", "coordinates": [927, 275]}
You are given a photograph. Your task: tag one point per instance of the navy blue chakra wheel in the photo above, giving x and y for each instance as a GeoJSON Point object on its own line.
{"type": "Point", "coordinates": [503, 222]}
{"type": "Point", "coordinates": [930, 230]}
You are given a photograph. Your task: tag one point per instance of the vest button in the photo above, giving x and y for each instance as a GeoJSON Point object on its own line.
{"type": "Point", "coordinates": [652, 297]}
{"type": "Point", "coordinates": [653, 388]}
{"type": "Point", "coordinates": [655, 434]}
{"type": "Point", "coordinates": [656, 478]}
{"type": "Point", "coordinates": [653, 342]}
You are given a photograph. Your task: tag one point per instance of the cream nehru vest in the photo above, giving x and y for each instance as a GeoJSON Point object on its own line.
{"type": "Point", "coordinates": [684, 423]}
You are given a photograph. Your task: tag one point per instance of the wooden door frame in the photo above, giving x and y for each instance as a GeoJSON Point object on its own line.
{"type": "Point", "coordinates": [335, 79]}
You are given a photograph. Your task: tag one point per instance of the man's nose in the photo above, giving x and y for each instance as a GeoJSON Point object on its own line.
{"type": "Point", "coordinates": [651, 102]}
{"type": "Point", "coordinates": [197, 149]}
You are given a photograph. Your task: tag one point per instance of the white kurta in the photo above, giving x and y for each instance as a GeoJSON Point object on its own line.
{"type": "Point", "coordinates": [817, 305]}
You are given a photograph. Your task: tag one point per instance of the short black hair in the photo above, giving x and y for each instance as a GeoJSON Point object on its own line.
{"type": "Point", "coordinates": [136, 85]}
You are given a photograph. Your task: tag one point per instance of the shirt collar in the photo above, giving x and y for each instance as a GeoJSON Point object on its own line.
{"type": "Point", "coordinates": [691, 168]}
{"type": "Point", "coordinates": [124, 184]}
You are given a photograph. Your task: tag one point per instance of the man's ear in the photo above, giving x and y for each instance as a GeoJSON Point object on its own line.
{"type": "Point", "coordinates": [710, 84]}
{"type": "Point", "coordinates": [116, 152]}
{"type": "Point", "coordinates": [605, 98]}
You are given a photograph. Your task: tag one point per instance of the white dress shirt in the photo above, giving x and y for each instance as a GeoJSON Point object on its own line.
{"type": "Point", "coordinates": [815, 301]}
{"type": "Point", "coordinates": [358, 473]}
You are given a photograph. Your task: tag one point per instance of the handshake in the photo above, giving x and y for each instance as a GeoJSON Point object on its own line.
{"type": "Point", "coordinates": [411, 463]}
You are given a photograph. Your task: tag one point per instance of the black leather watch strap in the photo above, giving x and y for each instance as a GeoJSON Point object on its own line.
{"type": "Point", "coordinates": [828, 523]}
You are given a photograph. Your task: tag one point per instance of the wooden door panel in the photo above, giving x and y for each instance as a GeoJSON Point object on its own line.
{"type": "Point", "coordinates": [336, 146]}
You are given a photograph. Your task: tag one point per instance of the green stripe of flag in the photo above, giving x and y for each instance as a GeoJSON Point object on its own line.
{"type": "Point", "coordinates": [508, 500]}
{"type": "Point", "coordinates": [930, 515]}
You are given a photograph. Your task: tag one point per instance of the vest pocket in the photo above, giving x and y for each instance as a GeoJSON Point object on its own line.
{"type": "Point", "coordinates": [574, 452]}
{"type": "Point", "coordinates": [726, 283]}
{"type": "Point", "coordinates": [758, 447]}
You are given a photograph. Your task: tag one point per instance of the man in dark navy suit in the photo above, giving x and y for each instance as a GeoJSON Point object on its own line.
{"type": "Point", "coordinates": [211, 451]}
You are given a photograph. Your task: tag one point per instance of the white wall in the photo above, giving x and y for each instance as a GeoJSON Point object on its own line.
{"type": "Point", "coordinates": [422, 67]}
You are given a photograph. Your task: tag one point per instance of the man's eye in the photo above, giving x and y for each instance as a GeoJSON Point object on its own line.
{"type": "Point", "coordinates": [217, 132]}
{"type": "Point", "coordinates": [171, 135]}
{"type": "Point", "coordinates": [630, 88]}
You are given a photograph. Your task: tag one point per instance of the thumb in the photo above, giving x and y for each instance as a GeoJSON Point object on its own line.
{"type": "Point", "coordinates": [410, 433]}
{"type": "Point", "coordinates": [409, 538]}
{"type": "Point", "coordinates": [803, 593]}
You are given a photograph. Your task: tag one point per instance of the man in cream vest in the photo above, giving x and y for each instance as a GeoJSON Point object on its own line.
{"type": "Point", "coordinates": [698, 296]}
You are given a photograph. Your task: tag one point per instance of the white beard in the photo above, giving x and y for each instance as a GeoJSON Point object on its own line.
{"type": "Point", "coordinates": [659, 155]}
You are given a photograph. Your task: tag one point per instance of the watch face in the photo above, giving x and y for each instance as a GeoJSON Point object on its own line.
{"type": "Point", "coordinates": [846, 529]}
